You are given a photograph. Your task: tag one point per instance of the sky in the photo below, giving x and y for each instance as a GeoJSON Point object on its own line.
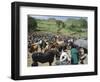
{"type": "Point", "coordinates": [63, 18]}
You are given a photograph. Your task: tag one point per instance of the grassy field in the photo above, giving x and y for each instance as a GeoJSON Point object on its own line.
{"type": "Point", "coordinates": [50, 26]}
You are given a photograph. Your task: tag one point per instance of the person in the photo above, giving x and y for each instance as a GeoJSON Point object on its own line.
{"type": "Point", "coordinates": [65, 58]}
{"type": "Point", "coordinates": [82, 56]}
{"type": "Point", "coordinates": [74, 55]}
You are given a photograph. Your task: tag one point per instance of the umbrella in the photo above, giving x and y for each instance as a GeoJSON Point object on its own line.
{"type": "Point", "coordinates": [81, 43]}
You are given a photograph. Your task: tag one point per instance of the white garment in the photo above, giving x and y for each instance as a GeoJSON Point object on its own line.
{"type": "Point", "coordinates": [64, 56]}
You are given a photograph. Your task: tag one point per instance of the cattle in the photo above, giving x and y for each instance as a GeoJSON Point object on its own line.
{"type": "Point", "coordinates": [33, 48]}
{"type": "Point", "coordinates": [44, 47]}
{"type": "Point", "coordinates": [44, 57]}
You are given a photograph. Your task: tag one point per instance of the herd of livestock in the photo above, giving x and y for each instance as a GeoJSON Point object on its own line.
{"type": "Point", "coordinates": [45, 47]}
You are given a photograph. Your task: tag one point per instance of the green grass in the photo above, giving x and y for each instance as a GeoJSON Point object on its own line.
{"type": "Point", "coordinates": [45, 26]}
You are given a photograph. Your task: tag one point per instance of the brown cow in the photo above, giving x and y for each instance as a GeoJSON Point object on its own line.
{"type": "Point", "coordinates": [33, 48]}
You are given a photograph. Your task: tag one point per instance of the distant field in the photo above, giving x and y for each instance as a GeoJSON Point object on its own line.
{"type": "Point", "coordinates": [46, 26]}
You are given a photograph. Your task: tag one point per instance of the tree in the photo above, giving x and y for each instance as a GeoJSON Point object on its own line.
{"type": "Point", "coordinates": [60, 24]}
{"type": "Point", "coordinates": [83, 22]}
{"type": "Point", "coordinates": [32, 24]}
{"type": "Point", "coordinates": [72, 27]}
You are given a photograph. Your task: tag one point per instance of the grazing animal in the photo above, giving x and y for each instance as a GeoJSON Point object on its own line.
{"type": "Point", "coordinates": [62, 47]}
{"type": "Point", "coordinates": [47, 47]}
{"type": "Point", "coordinates": [33, 48]}
{"type": "Point", "coordinates": [42, 44]}
{"type": "Point", "coordinates": [53, 45]}
{"type": "Point", "coordinates": [59, 41]}
{"type": "Point", "coordinates": [44, 57]}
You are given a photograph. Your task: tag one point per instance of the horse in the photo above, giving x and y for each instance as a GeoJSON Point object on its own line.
{"type": "Point", "coordinates": [44, 57]}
